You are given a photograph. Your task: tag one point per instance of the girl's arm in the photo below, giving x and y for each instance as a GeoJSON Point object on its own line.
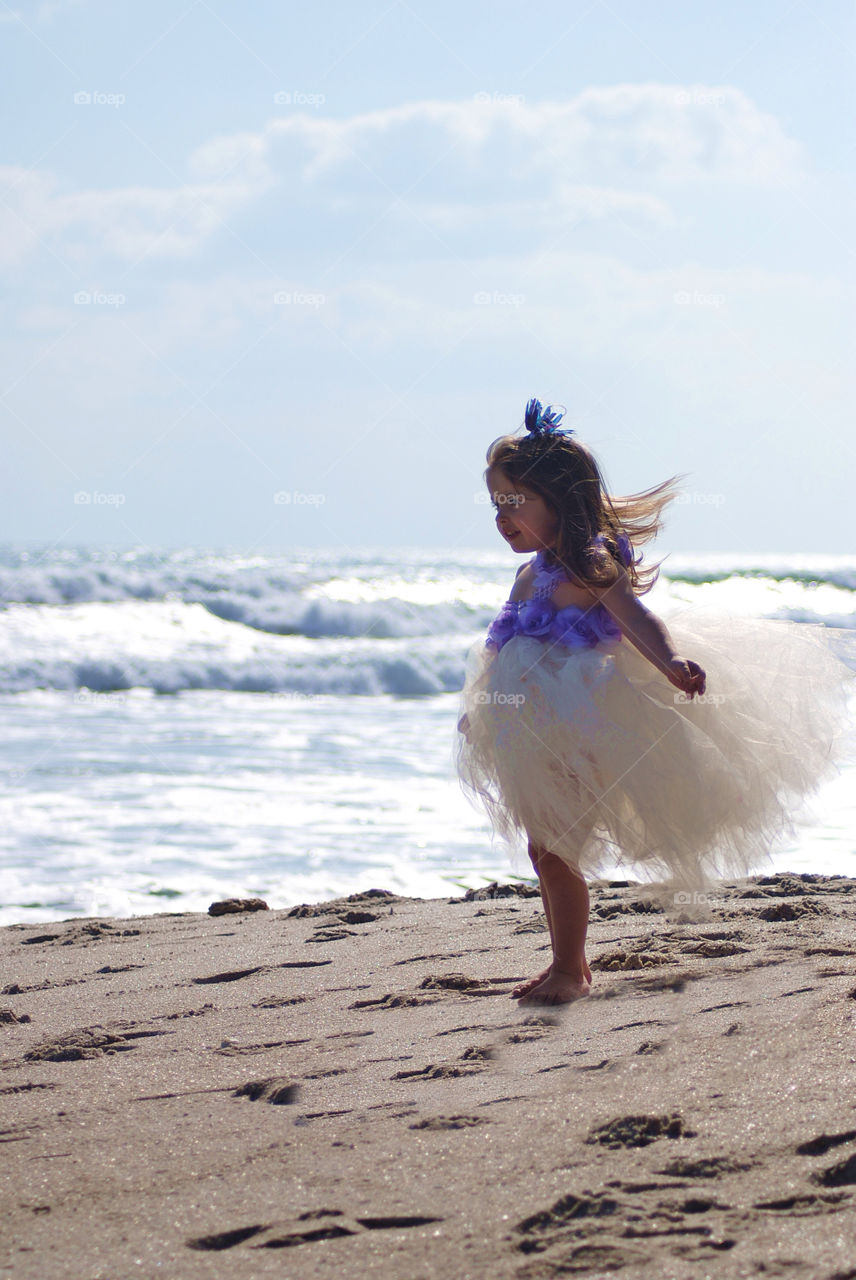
{"type": "Point", "coordinates": [649, 634]}
{"type": "Point", "coordinates": [464, 722]}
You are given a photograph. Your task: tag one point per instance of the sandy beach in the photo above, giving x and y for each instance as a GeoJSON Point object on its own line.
{"type": "Point", "coordinates": [191, 1095]}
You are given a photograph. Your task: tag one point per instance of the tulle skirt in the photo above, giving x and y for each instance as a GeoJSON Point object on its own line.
{"type": "Point", "coordinates": [594, 755]}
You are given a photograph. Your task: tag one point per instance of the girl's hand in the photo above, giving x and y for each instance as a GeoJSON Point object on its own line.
{"type": "Point", "coordinates": [688, 676]}
{"type": "Point", "coordinates": [464, 726]}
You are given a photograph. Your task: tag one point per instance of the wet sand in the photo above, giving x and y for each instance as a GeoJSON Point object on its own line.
{"type": "Point", "coordinates": [350, 1086]}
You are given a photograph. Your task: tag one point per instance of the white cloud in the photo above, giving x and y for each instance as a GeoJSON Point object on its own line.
{"type": "Point", "coordinates": [128, 222]}
{"type": "Point", "coordinates": [240, 156]}
{"type": "Point", "coordinates": [133, 221]}
{"type": "Point", "coordinates": [539, 166]}
{"type": "Point", "coordinates": [25, 197]}
{"type": "Point", "coordinates": [570, 206]}
{"type": "Point", "coordinates": [625, 134]}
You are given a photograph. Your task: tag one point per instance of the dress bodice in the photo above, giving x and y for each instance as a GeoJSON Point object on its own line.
{"type": "Point", "coordinates": [575, 626]}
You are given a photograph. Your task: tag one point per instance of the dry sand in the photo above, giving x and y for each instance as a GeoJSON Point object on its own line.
{"type": "Point", "coordinates": [318, 1094]}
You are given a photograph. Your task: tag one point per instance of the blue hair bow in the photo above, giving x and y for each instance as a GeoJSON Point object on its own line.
{"type": "Point", "coordinates": [541, 422]}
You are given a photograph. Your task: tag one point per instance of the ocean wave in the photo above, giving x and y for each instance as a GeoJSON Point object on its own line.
{"type": "Point", "coordinates": [382, 620]}
{"type": "Point", "coordinates": [390, 595]}
{"type": "Point", "coordinates": [271, 594]}
{"type": "Point", "coordinates": [170, 647]}
{"type": "Point", "coordinates": [81, 577]}
{"type": "Point", "coordinates": [809, 570]}
{"type": "Point", "coordinates": [396, 622]}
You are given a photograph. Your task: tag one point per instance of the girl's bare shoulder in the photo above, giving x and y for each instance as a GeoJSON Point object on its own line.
{"type": "Point", "coordinates": [604, 573]}
{"type": "Point", "coordinates": [571, 592]}
{"type": "Point", "coordinates": [523, 582]}
{"type": "Point", "coordinates": [568, 593]}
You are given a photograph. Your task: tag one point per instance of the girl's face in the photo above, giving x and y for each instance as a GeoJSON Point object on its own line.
{"type": "Point", "coordinates": [522, 516]}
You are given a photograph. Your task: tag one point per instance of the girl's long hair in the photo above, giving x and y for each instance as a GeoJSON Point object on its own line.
{"type": "Point", "coordinates": [565, 474]}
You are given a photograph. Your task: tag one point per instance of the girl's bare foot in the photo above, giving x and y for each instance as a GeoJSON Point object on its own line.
{"type": "Point", "coordinates": [558, 987]}
{"type": "Point", "coordinates": [524, 988]}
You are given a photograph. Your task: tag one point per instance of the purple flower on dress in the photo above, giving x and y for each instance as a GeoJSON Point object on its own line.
{"type": "Point", "coordinates": [578, 628]}
{"type": "Point", "coordinates": [536, 617]}
{"type": "Point", "coordinates": [605, 627]}
{"type": "Point", "coordinates": [572, 626]}
{"type": "Point", "coordinates": [569, 628]}
{"type": "Point", "coordinates": [504, 625]}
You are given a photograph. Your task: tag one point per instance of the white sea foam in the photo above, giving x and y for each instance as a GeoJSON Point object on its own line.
{"type": "Point", "coordinates": [320, 623]}
{"type": "Point", "coordinates": [172, 646]}
{"type": "Point", "coordinates": [307, 750]}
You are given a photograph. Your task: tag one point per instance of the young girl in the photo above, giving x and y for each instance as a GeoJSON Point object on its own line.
{"type": "Point", "coordinates": [607, 737]}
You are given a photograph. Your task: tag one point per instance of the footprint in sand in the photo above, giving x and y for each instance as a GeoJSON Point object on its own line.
{"type": "Point", "coordinates": [9, 1017]}
{"type": "Point", "coordinates": [807, 1206]}
{"type": "Point", "coordinates": [92, 931]}
{"type": "Point", "coordinates": [793, 910]}
{"type": "Point", "coordinates": [825, 1142]}
{"type": "Point", "coordinates": [234, 975]}
{"type": "Point", "coordinates": [841, 1174]}
{"type": "Point", "coordinates": [87, 1042]}
{"type": "Point", "coordinates": [278, 1002]}
{"type": "Point", "coordinates": [472, 1061]}
{"type": "Point", "coordinates": [331, 935]}
{"type": "Point", "coordinates": [301, 1232]}
{"type": "Point", "coordinates": [639, 1131]}
{"type": "Point", "coordinates": [26, 1088]}
{"type": "Point", "coordinates": [561, 1228]}
{"type": "Point", "coordinates": [392, 1001]}
{"type": "Point", "coordinates": [588, 1232]}
{"type": "Point", "coordinates": [703, 1167]}
{"type": "Point", "coordinates": [609, 910]}
{"type": "Point", "coordinates": [450, 1122]}
{"type": "Point", "coordinates": [620, 961]}
{"type": "Point", "coordinates": [15, 988]}
{"type": "Point", "coordinates": [277, 1090]}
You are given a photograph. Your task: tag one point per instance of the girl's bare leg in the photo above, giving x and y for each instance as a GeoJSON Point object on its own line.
{"type": "Point", "coordinates": [566, 906]}
{"type": "Point", "coordinates": [525, 987]}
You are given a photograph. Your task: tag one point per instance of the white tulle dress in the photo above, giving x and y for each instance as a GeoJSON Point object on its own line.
{"type": "Point", "coordinates": [576, 741]}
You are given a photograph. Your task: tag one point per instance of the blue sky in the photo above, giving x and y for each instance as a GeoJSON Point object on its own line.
{"type": "Point", "coordinates": [276, 276]}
